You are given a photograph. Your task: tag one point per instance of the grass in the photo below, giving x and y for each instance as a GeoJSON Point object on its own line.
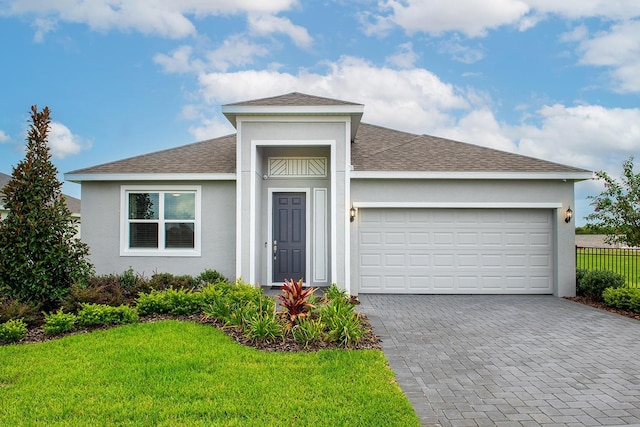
{"type": "Point", "coordinates": [624, 262]}
{"type": "Point", "coordinates": [181, 373]}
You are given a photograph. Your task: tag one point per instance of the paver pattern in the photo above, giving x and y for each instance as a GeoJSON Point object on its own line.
{"type": "Point", "coordinates": [487, 360]}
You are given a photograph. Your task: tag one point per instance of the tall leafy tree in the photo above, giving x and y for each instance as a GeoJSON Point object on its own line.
{"type": "Point", "coordinates": [617, 208]}
{"type": "Point", "coordinates": [40, 255]}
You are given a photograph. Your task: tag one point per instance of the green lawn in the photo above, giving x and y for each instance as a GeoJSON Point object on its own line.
{"type": "Point", "coordinates": [624, 262]}
{"type": "Point", "coordinates": [179, 373]}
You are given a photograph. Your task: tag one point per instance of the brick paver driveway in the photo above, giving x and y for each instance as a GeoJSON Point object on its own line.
{"type": "Point", "coordinates": [510, 360]}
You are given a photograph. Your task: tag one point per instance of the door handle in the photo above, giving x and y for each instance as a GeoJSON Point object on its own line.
{"type": "Point", "coordinates": [275, 249]}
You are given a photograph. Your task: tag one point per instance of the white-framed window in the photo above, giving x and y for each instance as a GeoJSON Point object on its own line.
{"type": "Point", "coordinates": [160, 220]}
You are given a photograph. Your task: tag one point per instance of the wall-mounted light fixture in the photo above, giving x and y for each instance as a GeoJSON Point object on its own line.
{"type": "Point", "coordinates": [352, 214]}
{"type": "Point", "coordinates": [568, 215]}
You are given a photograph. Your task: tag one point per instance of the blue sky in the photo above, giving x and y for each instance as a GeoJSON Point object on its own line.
{"type": "Point", "coordinates": [558, 80]}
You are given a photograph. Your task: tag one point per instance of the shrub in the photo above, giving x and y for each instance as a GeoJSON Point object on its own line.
{"type": "Point", "coordinates": [13, 309]}
{"type": "Point", "coordinates": [343, 325]}
{"type": "Point", "coordinates": [98, 290]}
{"type": "Point", "coordinates": [100, 314]}
{"type": "Point", "coordinates": [308, 330]}
{"type": "Point", "coordinates": [162, 281]}
{"type": "Point", "coordinates": [210, 277]}
{"type": "Point", "coordinates": [333, 292]}
{"type": "Point", "coordinates": [58, 323]}
{"type": "Point", "coordinates": [295, 300]}
{"type": "Point", "coordinates": [12, 331]}
{"type": "Point", "coordinates": [623, 298]}
{"type": "Point", "coordinates": [173, 301]}
{"type": "Point", "coordinates": [580, 272]}
{"type": "Point", "coordinates": [594, 282]}
{"type": "Point", "coordinates": [263, 326]}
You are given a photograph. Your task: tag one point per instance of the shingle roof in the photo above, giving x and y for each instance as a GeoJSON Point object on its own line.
{"type": "Point", "coordinates": [73, 204]}
{"type": "Point", "coordinates": [293, 99]}
{"type": "Point", "coordinates": [381, 149]}
{"type": "Point", "coordinates": [375, 148]}
{"type": "Point", "coordinates": [216, 155]}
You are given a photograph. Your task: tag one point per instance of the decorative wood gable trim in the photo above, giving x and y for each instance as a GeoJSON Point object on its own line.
{"type": "Point", "coordinates": [298, 167]}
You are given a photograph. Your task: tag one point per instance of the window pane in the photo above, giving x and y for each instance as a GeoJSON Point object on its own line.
{"type": "Point", "coordinates": [179, 235]}
{"type": "Point", "coordinates": [143, 235]}
{"type": "Point", "coordinates": [143, 205]}
{"type": "Point", "coordinates": [179, 206]}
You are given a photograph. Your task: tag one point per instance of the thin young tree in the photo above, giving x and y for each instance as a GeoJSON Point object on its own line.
{"type": "Point", "coordinates": [617, 208]}
{"type": "Point", "coordinates": [40, 255]}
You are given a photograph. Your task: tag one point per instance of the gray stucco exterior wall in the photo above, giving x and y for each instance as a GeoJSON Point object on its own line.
{"type": "Point", "coordinates": [101, 230]}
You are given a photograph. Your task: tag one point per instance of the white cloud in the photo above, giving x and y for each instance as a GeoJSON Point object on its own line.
{"type": "Point", "coordinates": [265, 25]}
{"type": "Point", "coordinates": [475, 18]}
{"type": "Point", "coordinates": [237, 50]}
{"type": "Point", "coordinates": [411, 100]}
{"type": "Point", "coordinates": [179, 61]}
{"type": "Point", "coordinates": [63, 143]}
{"type": "Point", "coordinates": [617, 49]}
{"type": "Point", "coordinates": [167, 18]}
{"type": "Point", "coordinates": [404, 58]}
{"type": "Point", "coordinates": [590, 136]}
{"type": "Point", "coordinates": [4, 137]}
{"type": "Point", "coordinates": [471, 17]}
{"type": "Point", "coordinates": [460, 52]}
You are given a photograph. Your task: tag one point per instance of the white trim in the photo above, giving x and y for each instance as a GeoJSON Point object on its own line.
{"type": "Point", "coordinates": [470, 175]}
{"type": "Point", "coordinates": [320, 219]}
{"type": "Point", "coordinates": [291, 143]}
{"type": "Point", "coordinates": [333, 213]}
{"type": "Point", "coordinates": [458, 205]}
{"type": "Point", "coordinates": [125, 251]}
{"type": "Point", "coordinates": [238, 202]}
{"type": "Point", "coordinates": [81, 177]}
{"type": "Point", "coordinates": [247, 110]}
{"type": "Point", "coordinates": [347, 207]}
{"type": "Point", "coordinates": [307, 243]}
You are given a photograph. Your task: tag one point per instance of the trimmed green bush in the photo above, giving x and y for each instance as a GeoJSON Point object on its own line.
{"type": "Point", "coordinates": [594, 282]}
{"type": "Point", "coordinates": [101, 315]}
{"type": "Point", "coordinates": [12, 331]}
{"type": "Point", "coordinates": [623, 298]}
{"type": "Point", "coordinates": [58, 323]}
{"type": "Point", "coordinates": [172, 301]}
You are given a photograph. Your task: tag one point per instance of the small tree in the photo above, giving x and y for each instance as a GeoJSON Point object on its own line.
{"type": "Point", "coordinates": [40, 257]}
{"type": "Point", "coordinates": [617, 208]}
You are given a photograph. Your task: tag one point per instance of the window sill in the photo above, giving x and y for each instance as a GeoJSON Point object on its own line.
{"type": "Point", "coordinates": [157, 253]}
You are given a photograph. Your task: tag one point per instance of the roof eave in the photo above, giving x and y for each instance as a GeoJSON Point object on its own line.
{"type": "Point", "coordinates": [84, 177]}
{"type": "Point", "coordinates": [567, 176]}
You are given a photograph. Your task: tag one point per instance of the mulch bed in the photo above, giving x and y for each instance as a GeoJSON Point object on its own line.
{"type": "Point", "coordinates": [603, 306]}
{"type": "Point", "coordinates": [288, 344]}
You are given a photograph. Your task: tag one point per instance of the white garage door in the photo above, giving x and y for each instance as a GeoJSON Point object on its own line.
{"type": "Point", "coordinates": [462, 251]}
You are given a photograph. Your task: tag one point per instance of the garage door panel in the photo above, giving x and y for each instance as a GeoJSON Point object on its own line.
{"type": "Point", "coordinates": [394, 238]}
{"type": "Point", "coordinates": [455, 251]}
{"type": "Point", "coordinates": [370, 238]}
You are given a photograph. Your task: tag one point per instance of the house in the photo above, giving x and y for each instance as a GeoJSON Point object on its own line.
{"type": "Point", "coordinates": [305, 190]}
{"type": "Point", "coordinates": [73, 204]}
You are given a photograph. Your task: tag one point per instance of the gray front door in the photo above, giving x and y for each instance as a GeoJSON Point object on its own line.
{"type": "Point", "coordinates": [289, 231]}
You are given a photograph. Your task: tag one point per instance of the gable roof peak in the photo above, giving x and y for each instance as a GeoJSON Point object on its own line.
{"type": "Point", "coordinates": [298, 99]}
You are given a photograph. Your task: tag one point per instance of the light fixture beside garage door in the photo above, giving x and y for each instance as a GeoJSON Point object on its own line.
{"type": "Point", "coordinates": [568, 215]}
{"type": "Point", "coordinates": [352, 214]}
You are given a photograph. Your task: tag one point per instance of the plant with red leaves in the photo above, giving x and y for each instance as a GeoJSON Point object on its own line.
{"type": "Point", "coordinates": [295, 300]}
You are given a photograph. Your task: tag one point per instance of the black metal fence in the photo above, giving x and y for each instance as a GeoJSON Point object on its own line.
{"type": "Point", "coordinates": [623, 261]}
